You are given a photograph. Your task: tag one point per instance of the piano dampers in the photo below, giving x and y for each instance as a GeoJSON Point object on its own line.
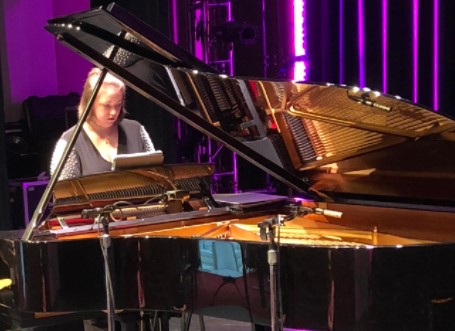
{"type": "Point", "coordinates": [312, 143]}
{"type": "Point", "coordinates": [145, 192]}
{"type": "Point", "coordinates": [193, 185]}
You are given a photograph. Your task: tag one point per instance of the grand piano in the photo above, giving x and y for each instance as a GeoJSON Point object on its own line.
{"type": "Point", "coordinates": [363, 238]}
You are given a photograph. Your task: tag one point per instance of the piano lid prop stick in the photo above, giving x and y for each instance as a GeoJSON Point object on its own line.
{"type": "Point", "coordinates": [46, 197]}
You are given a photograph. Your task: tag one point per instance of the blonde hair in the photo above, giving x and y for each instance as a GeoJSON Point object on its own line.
{"type": "Point", "coordinates": [89, 86]}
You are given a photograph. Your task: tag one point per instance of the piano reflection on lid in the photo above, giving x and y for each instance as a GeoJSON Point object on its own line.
{"type": "Point", "coordinates": [387, 264]}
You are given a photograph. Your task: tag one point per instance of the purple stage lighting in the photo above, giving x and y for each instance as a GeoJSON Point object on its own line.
{"type": "Point", "coordinates": [384, 45]}
{"type": "Point", "coordinates": [341, 42]}
{"type": "Point", "coordinates": [300, 42]}
{"type": "Point", "coordinates": [435, 54]}
{"type": "Point", "coordinates": [415, 49]}
{"type": "Point", "coordinates": [361, 36]}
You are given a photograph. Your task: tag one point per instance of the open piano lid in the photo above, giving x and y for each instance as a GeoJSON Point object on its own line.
{"type": "Point", "coordinates": [329, 142]}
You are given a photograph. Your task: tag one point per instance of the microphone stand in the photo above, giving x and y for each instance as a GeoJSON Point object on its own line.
{"type": "Point", "coordinates": [102, 216]}
{"type": "Point", "coordinates": [267, 230]}
{"type": "Point", "coordinates": [272, 259]}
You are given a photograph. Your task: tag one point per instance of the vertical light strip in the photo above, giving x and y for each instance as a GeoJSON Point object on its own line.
{"type": "Point", "coordinates": [229, 11]}
{"type": "Point", "coordinates": [264, 35]}
{"type": "Point", "coordinates": [384, 44]}
{"type": "Point", "coordinates": [231, 49]}
{"type": "Point", "coordinates": [435, 54]}
{"type": "Point", "coordinates": [415, 49]}
{"type": "Point", "coordinates": [199, 37]}
{"type": "Point", "coordinates": [341, 41]}
{"type": "Point", "coordinates": [361, 36]}
{"type": "Point", "coordinates": [175, 31]}
{"type": "Point", "coordinates": [300, 52]}
{"type": "Point", "coordinates": [299, 47]}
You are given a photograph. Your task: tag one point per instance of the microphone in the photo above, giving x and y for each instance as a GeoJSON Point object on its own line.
{"type": "Point", "coordinates": [95, 212]}
{"type": "Point", "coordinates": [91, 213]}
{"type": "Point", "coordinates": [302, 210]}
{"type": "Point", "coordinates": [365, 99]}
{"type": "Point", "coordinates": [374, 104]}
{"type": "Point", "coordinates": [328, 212]}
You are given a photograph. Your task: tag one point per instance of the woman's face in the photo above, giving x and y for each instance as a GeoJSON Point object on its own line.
{"type": "Point", "coordinates": [107, 106]}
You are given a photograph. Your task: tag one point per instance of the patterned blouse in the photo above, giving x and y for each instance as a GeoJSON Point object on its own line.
{"type": "Point", "coordinates": [85, 159]}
